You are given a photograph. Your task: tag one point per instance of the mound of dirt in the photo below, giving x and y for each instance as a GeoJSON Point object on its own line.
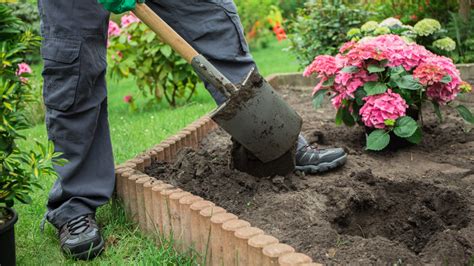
{"type": "Point", "coordinates": [412, 206]}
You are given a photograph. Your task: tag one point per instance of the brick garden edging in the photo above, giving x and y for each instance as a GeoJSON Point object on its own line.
{"type": "Point", "coordinates": [164, 210]}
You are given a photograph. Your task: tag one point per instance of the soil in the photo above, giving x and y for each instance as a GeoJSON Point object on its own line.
{"type": "Point", "coordinates": [413, 205]}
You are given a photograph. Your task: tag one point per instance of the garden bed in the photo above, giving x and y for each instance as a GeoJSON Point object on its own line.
{"type": "Point", "coordinates": [413, 205]}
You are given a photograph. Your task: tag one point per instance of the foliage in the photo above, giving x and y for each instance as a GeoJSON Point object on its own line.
{"type": "Point", "coordinates": [261, 21]}
{"type": "Point", "coordinates": [426, 32]}
{"type": "Point", "coordinates": [382, 83]}
{"type": "Point", "coordinates": [134, 50]}
{"type": "Point", "coordinates": [20, 169]}
{"type": "Point", "coordinates": [320, 28]}
{"type": "Point", "coordinates": [463, 33]}
{"type": "Point", "coordinates": [411, 11]}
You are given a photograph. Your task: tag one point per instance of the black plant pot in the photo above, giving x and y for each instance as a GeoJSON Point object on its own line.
{"type": "Point", "coordinates": [7, 240]}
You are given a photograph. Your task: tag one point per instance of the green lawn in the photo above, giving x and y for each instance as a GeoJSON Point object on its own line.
{"type": "Point", "coordinates": [131, 134]}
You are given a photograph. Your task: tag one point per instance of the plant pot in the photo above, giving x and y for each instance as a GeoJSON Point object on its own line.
{"type": "Point", "coordinates": [7, 240]}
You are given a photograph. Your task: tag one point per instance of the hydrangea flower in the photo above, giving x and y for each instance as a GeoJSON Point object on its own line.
{"type": "Point", "coordinates": [428, 74]}
{"type": "Point", "coordinates": [114, 29]}
{"type": "Point", "coordinates": [391, 23]}
{"type": "Point", "coordinates": [369, 26]}
{"type": "Point", "coordinates": [427, 26]}
{"type": "Point", "coordinates": [324, 65]}
{"type": "Point", "coordinates": [128, 19]}
{"type": "Point", "coordinates": [382, 31]}
{"type": "Point", "coordinates": [444, 92]}
{"type": "Point", "coordinates": [353, 32]}
{"type": "Point", "coordinates": [446, 44]}
{"type": "Point", "coordinates": [382, 107]}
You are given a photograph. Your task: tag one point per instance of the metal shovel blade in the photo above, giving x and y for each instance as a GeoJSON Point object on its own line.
{"type": "Point", "coordinates": [259, 119]}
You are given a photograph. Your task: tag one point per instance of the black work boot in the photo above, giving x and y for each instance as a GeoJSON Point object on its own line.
{"type": "Point", "coordinates": [80, 238]}
{"type": "Point", "coordinates": [312, 160]}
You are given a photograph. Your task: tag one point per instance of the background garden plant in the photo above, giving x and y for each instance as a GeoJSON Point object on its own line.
{"type": "Point", "coordinates": [159, 72]}
{"type": "Point", "coordinates": [382, 83]}
{"type": "Point", "coordinates": [20, 169]}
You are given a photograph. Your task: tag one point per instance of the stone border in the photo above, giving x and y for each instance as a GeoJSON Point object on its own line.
{"type": "Point", "coordinates": [161, 209]}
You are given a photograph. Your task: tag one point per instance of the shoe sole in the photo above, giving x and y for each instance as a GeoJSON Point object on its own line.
{"type": "Point", "coordinates": [322, 167]}
{"type": "Point", "coordinates": [91, 253]}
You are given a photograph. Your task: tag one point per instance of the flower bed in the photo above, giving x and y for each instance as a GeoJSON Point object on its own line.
{"type": "Point", "coordinates": [410, 206]}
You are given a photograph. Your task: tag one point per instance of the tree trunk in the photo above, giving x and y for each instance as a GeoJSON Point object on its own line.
{"type": "Point", "coordinates": [465, 10]}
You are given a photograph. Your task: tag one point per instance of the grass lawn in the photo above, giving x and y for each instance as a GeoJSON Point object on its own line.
{"type": "Point", "coordinates": [131, 134]}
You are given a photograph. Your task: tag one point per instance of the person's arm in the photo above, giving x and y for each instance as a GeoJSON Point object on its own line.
{"type": "Point", "coordinates": [119, 6]}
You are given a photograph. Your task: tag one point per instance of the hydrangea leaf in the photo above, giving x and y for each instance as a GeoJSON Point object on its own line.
{"type": "Point", "coordinates": [416, 137]}
{"type": "Point", "coordinates": [465, 113]}
{"type": "Point", "coordinates": [375, 69]}
{"type": "Point", "coordinates": [408, 82]}
{"type": "Point", "coordinates": [350, 69]}
{"type": "Point", "coordinates": [446, 79]}
{"type": "Point", "coordinates": [318, 98]}
{"type": "Point", "coordinates": [374, 87]}
{"type": "Point", "coordinates": [438, 111]}
{"type": "Point", "coordinates": [405, 127]}
{"type": "Point", "coordinates": [378, 140]}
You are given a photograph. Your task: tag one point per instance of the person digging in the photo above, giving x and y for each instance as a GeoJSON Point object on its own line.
{"type": "Point", "coordinates": [74, 51]}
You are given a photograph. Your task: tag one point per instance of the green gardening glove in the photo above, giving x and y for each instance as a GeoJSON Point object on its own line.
{"type": "Point", "coordinates": [119, 6]}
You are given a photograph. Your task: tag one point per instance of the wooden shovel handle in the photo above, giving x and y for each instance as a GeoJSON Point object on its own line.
{"type": "Point", "coordinates": [165, 32]}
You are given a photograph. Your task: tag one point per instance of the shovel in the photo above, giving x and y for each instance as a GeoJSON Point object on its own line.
{"type": "Point", "coordinates": [253, 114]}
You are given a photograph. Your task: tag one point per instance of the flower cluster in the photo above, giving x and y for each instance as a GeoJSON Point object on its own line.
{"type": "Point", "coordinates": [115, 30]}
{"type": "Point", "coordinates": [382, 107]}
{"type": "Point", "coordinates": [22, 69]}
{"type": "Point", "coordinates": [279, 32]}
{"type": "Point", "coordinates": [374, 79]}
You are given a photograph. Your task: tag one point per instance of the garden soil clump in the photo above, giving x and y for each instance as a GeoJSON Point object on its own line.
{"type": "Point", "coordinates": [413, 205]}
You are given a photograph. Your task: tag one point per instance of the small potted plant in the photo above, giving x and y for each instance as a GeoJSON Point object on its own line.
{"type": "Point", "coordinates": [20, 168]}
{"type": "Point", "coordinates": [383, 82]}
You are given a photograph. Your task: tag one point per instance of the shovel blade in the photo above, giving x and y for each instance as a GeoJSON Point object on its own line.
{"type": "Point", "coordinates": [259, 119]}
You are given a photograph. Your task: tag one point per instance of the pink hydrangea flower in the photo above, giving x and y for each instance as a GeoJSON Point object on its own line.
{"type": "Point", "coordinates": [348, 83]}
{"type": "Point", "coordinates": [365, 51]}
{"type": "Point", "coordinates": [128, 19]}
{"type": "Point", "coordinates": [347, 46]}
{"type": "Point", "coordinates": [114, 29]}
{"type": "Point", "coordinates": [428, 74]}
{"type": "Point", "coordinates": [441, 92]}
{"type": "Point", "coordinates": [379, 108]}
{"type": "Point", "coordinates": [324, 65]}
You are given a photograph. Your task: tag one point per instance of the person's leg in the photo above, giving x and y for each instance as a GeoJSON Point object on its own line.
{"type": "Point", "coordinates": [74, 53]}
{"type": "Point", "coordinates": [214, 29]}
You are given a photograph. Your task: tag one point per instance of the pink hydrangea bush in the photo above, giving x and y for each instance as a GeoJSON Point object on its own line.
{"type": "Point", "coordinates": [376, 82]}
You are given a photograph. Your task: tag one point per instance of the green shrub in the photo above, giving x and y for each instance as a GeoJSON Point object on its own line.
{"type": "Point", "coordinates": [463, 33]}
{"type": "Point", "coordinates": [410, 12]}
{"type": "Point", "coordinates": [320, 27]}
{"type": "Point", "coordinates": [134, 50]}
{"type": "Point", "coordinates": [20, 169]}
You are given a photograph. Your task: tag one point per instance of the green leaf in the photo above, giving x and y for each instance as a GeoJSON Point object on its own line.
{"type": "Point", "coordinates": [374, 87]}
{"type": "Point", "coordinates": [408, 82]}
{"type": "Point", "coordinates": [378, 140]}
{"type": "Point", "coordinates": [318, 98]}
{"type": "Point", "coordinates": [347, 117]}
{"type": "Point", "coordinates": [405, 127]}
{"type": "Point", "coordinates": [350, 69]}
{"type": "Point", "coordinates": [375, 69]}
{"type": "Point", "coordinates": [329, 82]}
{"type": "Point", "coordinates": [397, 71]}
{"type": "Point", "coordinates": [446, 79]}
{"type": "Point", "coordinates": [339, 115]}
{"type": "Point", "coordinates": [465, 113]}
{"type": "Point", "coordinates": [416, 137]}
{"type": "Point", "coordinates": [437, 111]}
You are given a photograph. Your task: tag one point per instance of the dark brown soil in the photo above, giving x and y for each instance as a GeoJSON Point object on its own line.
{"type": "Point", "coordinates": [411, 206]}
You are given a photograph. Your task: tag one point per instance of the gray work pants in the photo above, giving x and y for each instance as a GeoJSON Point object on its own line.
{"type": "Point", "coordinates": [75, 94]}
